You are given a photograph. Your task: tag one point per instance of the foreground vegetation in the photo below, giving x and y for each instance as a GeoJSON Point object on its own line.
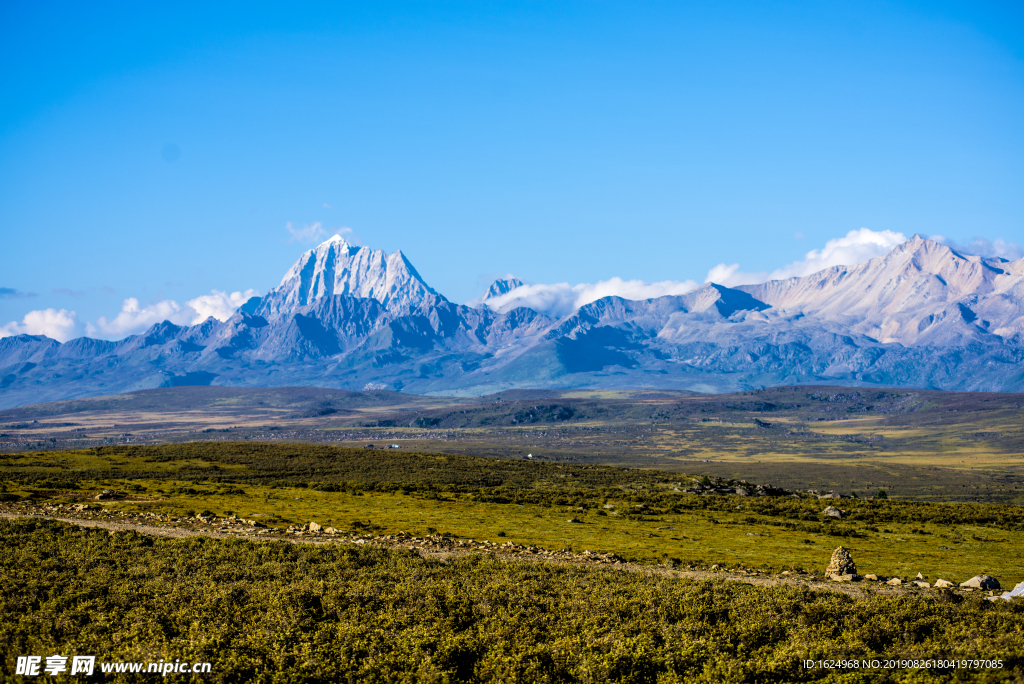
{"type": "Point", "coordinates": [282, 612]}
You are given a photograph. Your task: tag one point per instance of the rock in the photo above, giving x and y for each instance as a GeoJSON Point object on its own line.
{"type": "Point", "coordinates": [943, 584]}
{"type": "Point", "coordinates": [575, 520]}
{"type": "Point", "coordinates": [981, 582]}
{"type": "Point", "coordinates": [844, 578]}
{"type": "Point", "coordinates": [922, 584]}
{"type": "Point", "coordinates": [834, 512]}
{"type": "Point", "coordinates": [313, 527]}
{"type": "Point", "coordinates": [831, 495]}
{"type": "Point", "coordinates": [1018, 592]}
{"type": "Point", "coordinates": [872, 577]}
{"type": "Point", "coordinates": [919, 576]}
{"type": "Point", "coordinates": [895, 581]}
{"type": "Point", "coordinates": [330, 530]}
{"type": "Point", "coordinates": [842, 563]}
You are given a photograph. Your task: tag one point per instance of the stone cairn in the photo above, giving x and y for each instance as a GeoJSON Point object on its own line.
{"type": "Point", "coordinates": [842, 563]}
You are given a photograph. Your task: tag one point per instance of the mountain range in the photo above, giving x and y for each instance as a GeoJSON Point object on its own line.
{"type": "Point", "coordinates": [351, 317]}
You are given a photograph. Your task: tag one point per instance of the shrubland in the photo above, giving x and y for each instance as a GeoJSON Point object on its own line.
{"type": "Point", "coordinates": [284, 612]}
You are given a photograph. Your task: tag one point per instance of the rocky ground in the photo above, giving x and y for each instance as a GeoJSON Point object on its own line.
{"type": "Point", "coordinates": [443, 547]}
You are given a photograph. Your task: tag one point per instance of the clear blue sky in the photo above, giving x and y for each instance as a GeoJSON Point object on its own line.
{"type": "Point", "coordinates": [158, 151]}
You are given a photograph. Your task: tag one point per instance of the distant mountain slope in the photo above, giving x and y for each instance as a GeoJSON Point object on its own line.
{"type": "Point", "coordinates": [349, 317]}
{"type": "Point", "coordinates": [921, 292]}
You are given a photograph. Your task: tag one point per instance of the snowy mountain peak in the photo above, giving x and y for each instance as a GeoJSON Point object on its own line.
{"type": "Point", "coordinates": [502, 286]}
{"type": "Point", "coordinates": [335, 267]}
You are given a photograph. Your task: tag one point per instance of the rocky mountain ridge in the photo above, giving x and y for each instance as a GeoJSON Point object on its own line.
{"type": "Point", "coordinates": [349, 317]}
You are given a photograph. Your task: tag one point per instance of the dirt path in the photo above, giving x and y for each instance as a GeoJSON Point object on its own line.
{"type": "Point", "coordinates": [857, 590]}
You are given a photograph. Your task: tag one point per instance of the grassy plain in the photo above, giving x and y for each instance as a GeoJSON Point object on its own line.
{"type": "Point", "coordinates": [639, 514]}
{"type": "Point", "coordinates": [927, 445]}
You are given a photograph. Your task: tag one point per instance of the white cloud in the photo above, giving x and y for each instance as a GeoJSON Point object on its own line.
{"type": "Point", "coordinates": [855, 248]}
{"type": "Point", "coordinates": [984, 247]}
{"type": "Point", "coordinates": [561, 299]}
{"type": "Point", "coordinates": [134, 319]}
{"type": "Point", "coordinates": [220, 305]}
{"type": "Point", "coordinates": [60, 325]}
{"type": "Point", "coordinates": [311, 233]}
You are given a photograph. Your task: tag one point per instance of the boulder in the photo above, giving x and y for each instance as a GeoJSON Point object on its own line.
{"type": "Point", "coordinates": [842, 563]}
{"type": "Point", "coordinates": [919, 576]}
{"type": "Point", "coordinates": [895, 581]}
{"type": "Point", "coordinates": [844, 578]}
{"type": "Point", "coordinates": [871, 577]}
{"type": "Point", "coordinates": [834, 512]}
{"type": "Point", "coordinates": [922, 584]}
{"type": "Point", "coordinates": [1018, 592]}
{"type": "Point", "coordinates": [981, 582]}
{"type": "Point", "coordinates": [943, 584]}
{"type": "Point", "coordinates": [314, 527]}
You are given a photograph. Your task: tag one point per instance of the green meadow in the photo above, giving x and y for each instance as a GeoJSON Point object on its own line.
{"type": "Point", "coordinates": [642, 515]}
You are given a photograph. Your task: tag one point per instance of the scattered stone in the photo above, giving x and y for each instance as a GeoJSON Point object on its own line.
{"type": "Point", "coordinates": [313, 527]}
{"type": "Point", "coordinates": [330, 530]}
{"type": "Point", "coordinates": [895, 581]}
{"type": "Point", "coordinates": [848, 577]}
{"type": "Point", "coordinates": [919, 576]}
{"type": "Point", "coordinates": [1018, 592]}
{"type": "Point", "coordinates": [943, 584]}
{"type": "Point", "coordinates": [871, 577]}
{"type": "Point", "coordinates": [922, 584]}
{"type": "Point", "coordinates": [981, 582]}
{"type": "Point", "coordinates": [842, 563]}
{"type": "Point", "coordinates": [834, 512]}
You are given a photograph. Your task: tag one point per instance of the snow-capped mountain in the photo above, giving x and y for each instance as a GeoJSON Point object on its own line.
{"type": "Point", "coordinates": [921, 292]}
{"type": "Point", "coordinates": [922, 315]}
{"type": "Point", "coordinates": [502, 287]}
{"type": "Point", "coordinates": [335, 267]}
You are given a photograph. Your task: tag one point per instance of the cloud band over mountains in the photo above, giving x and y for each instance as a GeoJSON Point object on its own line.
{"type": "Point", "coordinates": [555, 300]}
{"type": "Point", "coordinates": [856, 247]}
{"type": "Point", "coordinates": [63, 325]}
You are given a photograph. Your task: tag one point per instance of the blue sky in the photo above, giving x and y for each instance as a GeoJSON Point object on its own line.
{"type": "Point", "coordinates": [160, 153]}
